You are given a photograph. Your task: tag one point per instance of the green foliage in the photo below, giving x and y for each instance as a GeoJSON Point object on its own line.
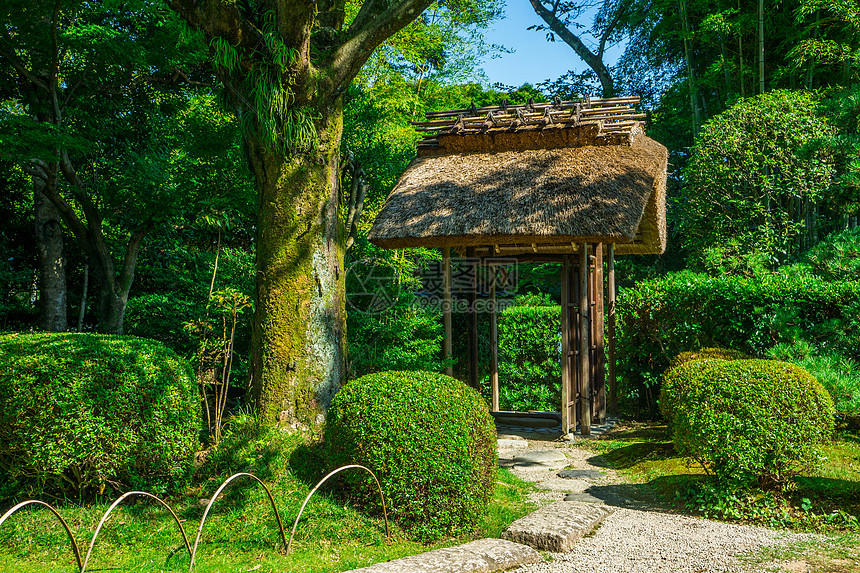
{"type": "Point", "coordinates": [529, 358]}
{"type": "Point", "coordinates": [661, 318]}
{"type": "Point", "coordinates": [79, 413]}
{"type": "Point", "coordinates": [404, 337]}
{"type": "Point", "coordinates": [708, 354]}
{"type": "Point", "coordinates": [267, 95]}
{"type": "Point", "coordinates": [746, 420]}
{"type": "Point", "coordinates": [703, 354]}
{"type": "Point", "coordinates": [840, 376]}
{"type": "Point", "coordinates": [388, 327]}
{"type": "Point", "coordinates": [429, 438]}
{"type": "Point", "coordinates": [749, 182]}
{"type": "Point", "coordinates": [837, 257]}
{"type": "Point", "coordinates": [534, 299]}
{"type": "Point", "coordinates": [160, 317]}
{"type": "Point", "coordinates": [843, 110]}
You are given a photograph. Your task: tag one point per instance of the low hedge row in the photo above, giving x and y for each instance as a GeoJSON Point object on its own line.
{"type": "Point", "coordinates": [661, 318]}
{"type": "Point", "coordinates": [529, 358]}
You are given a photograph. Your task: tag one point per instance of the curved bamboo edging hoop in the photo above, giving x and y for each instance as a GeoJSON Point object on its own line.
{"type": "Point", "coordinates": [322, 481]}
{"type": "Point", "coordinates": [120, 500]}
{"type": "Point", "coordinates": [75, 548]}
{"type": "Point", "coordinates": [193, 552]}
{"type": "Point", "coordinates": [214, 497]}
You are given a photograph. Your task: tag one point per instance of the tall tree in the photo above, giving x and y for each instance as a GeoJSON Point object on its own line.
{"type": "Point", "coordinates": [83, 100]}
{"type": "Point", "coordinates": [286, 66]}
{"type": "Point", "coordinates": [754, 181]}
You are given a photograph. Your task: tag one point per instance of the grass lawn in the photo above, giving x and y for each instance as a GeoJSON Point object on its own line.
{"type": "Point", "coordinates": [822, 501]}
{"type": "Point", "coordinates": [839, 554]}
{"type": "Point", "coordinates": [240, 533]}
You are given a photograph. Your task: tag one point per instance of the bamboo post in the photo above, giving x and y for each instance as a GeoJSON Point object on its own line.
{"type": "Point", "coordinates": [612, 406]}
{"type": "Point", "coordinates": [584, 378]}
{"type": "Point", "coordinates": [565, 345]}
{"type": "Point", "coordinates": [599, 367]}
{"type": "Point", "coordinates": [494, 343]}
{"type": "Point", "coordinates": [473, 317]}
{"type": "Point", "coordinates": [446, 308]}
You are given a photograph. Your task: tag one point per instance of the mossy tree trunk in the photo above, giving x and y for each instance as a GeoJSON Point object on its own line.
{"type": "Point", "coordinates": [53, 293]}
{"type": "Point", "coordinates": [298, 342]}
{"type": "Point", "coordinates": [286, 65]}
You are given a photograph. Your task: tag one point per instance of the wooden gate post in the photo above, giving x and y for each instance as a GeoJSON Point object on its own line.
{"type": "Point", "coordinates": [494, 342]}
{"type": "Point", "coordinates": [565, 345]}
{"type": "Point", "coordinates": [584, 378]}
{"type": "Point", "coordinates": [472, 298]}
{"type": "Point", "coordinates": [612, 405]}
{"type": "Point", "coordinates": [599, 365]}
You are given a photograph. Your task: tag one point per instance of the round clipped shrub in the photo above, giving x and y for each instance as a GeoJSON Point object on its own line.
{"type": "Point", "coordinates": [714, 353]}
{"type": "Point", "coordinates": [82, 412]}
{"type": "Point", "coordinates": [428, 437]}
{"type": "Point", "coordinates": [708, 354]}
{"type": "Point", "coordinates": [748, 420]}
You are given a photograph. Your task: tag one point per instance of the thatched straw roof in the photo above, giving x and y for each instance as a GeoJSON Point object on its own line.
{"type": "Point", "coordinates": [530, 200]}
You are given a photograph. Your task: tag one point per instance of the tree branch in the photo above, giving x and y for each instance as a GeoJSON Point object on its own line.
{"type": "Point", "coordinates": [36, 172]}
{"type": "Point", "coordinates": [592, 60]}
{"type": "Point", "coordinates": [21, 69]}
{"type": "Point", "coordinates": [332, 13]}
{"type": "Point", "coordinates": [218, 19]}
{"type": "Point", "coordinates": [619, 13]}
{"type": "Point", "coordinates": [67, 212]}
{"type": "Point", "coordinates": [132, 249]}
{"type": "Point", "coordinates": [178, 76]}
{"type": "Point", "coordinates": [74, 88]}
{"type": "Point", "coordinates": [93, 238]}
{"type": "Point", "coordinates": [55, 65]}
{"type": "Point", "coordinates": [373, 25]}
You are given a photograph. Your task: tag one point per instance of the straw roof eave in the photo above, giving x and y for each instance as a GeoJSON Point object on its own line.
{"type": "Point", "coordinates": [609, 193]}
{"type": "Point", "coordinates": [561, 241]}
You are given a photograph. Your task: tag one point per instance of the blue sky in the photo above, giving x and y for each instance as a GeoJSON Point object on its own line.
{"type": "Point", "coordinates": [534, 59]}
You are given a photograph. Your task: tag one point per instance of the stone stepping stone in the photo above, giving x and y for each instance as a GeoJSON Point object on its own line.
{"type": "Point", "coordinates": [580, 474]}
{"type": "Point", "coordinates": [540, 457]}
{"type": "Point", "coordinates": [481, 556]}
{"type": "Point", "coordinates": [508, 443]}
{"type": "Point", "coordinates": [556, 527]}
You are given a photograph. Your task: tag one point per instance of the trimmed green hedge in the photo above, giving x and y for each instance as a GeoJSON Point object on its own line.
{"type": "Point", "coordinates": [761, 420]}
{"type": "Point", "coordinates": [428, 437]}
{"type": "Point", "coordinates": [80, 412]}
{"type": "Point", "coordinates": [659, 319]}
{"type": "Point", "coordinates": [529, 359]}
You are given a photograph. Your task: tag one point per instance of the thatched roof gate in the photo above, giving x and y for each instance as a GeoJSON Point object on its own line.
{"type": "Point", "coordinates": [572, 182]}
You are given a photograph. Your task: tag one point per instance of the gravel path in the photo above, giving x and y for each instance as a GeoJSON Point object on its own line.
{"type": "Point", "coordinates": [637, 537]}
{"type": "Point", "coordinates": [638, 541]}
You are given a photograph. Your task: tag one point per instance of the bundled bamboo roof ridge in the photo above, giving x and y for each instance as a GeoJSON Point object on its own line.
{"type": "Point", "coordinates": [521, 190]}
{"type": "Point", "coordinates": [606, 121]}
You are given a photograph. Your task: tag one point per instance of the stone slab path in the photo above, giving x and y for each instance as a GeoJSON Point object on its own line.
{"type": "Point", "coordinates": [481, 556]}
{"type": "Point", "coordinates": [590, 520]}
{"type": "Point", "coordinates": [557, 526]}
{"type": "Point", "coordinates": [633, 536]}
